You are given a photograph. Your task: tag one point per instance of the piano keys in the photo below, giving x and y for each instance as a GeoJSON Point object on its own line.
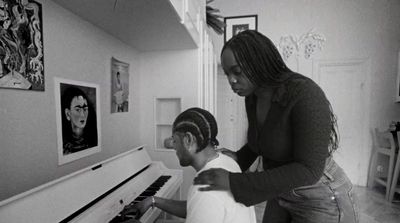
{"type": "Point", "coordinates": [152, 190]}
{"type": "Point", "coordinates": [95, 194]}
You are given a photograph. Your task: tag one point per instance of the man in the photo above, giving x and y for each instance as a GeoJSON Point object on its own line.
{"type": "Point", "coordinates": [194, 139]}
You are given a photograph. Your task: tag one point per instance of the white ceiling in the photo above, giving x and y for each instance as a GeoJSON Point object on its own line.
{"type": "Point", "coordinates": [146, 25]}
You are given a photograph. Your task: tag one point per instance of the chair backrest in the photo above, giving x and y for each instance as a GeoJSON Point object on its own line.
{"type": "Point", "coordinates": [383, 139]}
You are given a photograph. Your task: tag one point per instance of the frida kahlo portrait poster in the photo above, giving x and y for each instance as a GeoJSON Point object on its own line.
{"type": "Point", "coordinates": [21, 45]}
{"type": "Point", "coordinates": [78, 119]}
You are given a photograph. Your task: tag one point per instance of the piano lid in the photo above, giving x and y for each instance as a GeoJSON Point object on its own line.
{"type": "Point", "coordinates": [58, 199]}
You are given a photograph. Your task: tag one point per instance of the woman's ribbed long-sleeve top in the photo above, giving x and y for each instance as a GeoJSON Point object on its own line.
{"type": "Point", "coordinates": [293, 141]}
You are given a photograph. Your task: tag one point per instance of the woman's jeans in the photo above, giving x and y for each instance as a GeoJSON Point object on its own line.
{"type": "Point", "coordinates": [329, 200]}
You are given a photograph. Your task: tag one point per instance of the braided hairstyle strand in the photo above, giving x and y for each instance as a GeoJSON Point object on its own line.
{"type": "Point", "coordinates": [200, 123]}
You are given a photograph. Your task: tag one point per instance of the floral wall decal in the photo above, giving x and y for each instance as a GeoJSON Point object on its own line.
{"type": "Point", "coordinates": [305, 45]}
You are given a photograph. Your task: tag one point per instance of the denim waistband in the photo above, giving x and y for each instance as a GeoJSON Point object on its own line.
{"type": "Point", "coordinates": [334, 174]}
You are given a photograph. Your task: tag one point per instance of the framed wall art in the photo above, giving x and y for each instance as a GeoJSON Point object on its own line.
{"type": "Point", "coordinates": [119, 86]}
{"type": "Point", "coordinates": [21, 45]}
{"type": "Point", "coordinates": [397, 99]}
{"type": "Point", "coordinates": [78, 119]}
{"type": "Point", "coordinates": [237, 24]}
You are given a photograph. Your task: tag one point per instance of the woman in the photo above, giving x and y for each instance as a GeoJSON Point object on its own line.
{"type": "Point", "coordinates": [293, 128]}
{"type": "Point", "coordinates": [79, 131]}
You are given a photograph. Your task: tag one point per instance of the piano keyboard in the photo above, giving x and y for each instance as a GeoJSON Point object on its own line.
{"type": "Point", "coordinates": [150, 191]}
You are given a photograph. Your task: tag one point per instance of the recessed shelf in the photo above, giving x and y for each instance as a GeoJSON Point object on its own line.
{"type": "Point", "coordinates": [166, 110]}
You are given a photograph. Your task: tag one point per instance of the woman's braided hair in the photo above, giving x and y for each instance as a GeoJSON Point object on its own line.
{"type": "Point", "coordinates": [200, 123]}
{"type": "Point", "coordinates": [258, 57]}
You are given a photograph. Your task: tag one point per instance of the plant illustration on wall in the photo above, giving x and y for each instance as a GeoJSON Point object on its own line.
{"type": "Point", "coordinates": [305, 45]}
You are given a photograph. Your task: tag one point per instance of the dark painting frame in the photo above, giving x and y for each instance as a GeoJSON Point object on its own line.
{"type": "Point", "coordinates": [21, 45]}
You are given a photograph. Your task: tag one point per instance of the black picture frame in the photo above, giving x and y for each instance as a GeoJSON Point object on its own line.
{"type": "Point", "coordinates": [22, 60]}
{"type": "Point", "coordinates": [236, 24]}
{"type": "Point", "coordinates": [90, 142]}
{"type": "Point", "coordinates": [397, 98]}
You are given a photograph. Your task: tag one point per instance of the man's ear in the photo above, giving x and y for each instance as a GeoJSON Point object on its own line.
{"type": "Point", "coordinates": [189, 140]}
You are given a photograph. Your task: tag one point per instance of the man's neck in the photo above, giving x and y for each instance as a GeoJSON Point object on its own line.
{"type": "Point", "coordinates": [203, 157]}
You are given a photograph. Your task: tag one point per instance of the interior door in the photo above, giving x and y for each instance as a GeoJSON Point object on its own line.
{"type": "Point", "coordinates": [344, 84]}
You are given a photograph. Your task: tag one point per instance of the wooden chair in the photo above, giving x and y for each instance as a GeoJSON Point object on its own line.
{"type": "Point", "coordinates": [384, 145]}
{"type": "Point", "coordinates": [395, 188]}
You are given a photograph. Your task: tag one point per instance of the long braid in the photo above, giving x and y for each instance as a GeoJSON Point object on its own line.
{"type": "Point", "coordinates": [334, 136]}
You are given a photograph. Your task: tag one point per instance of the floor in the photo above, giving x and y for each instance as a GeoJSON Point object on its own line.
{"type": "Point", "coordinates": [372, 205]}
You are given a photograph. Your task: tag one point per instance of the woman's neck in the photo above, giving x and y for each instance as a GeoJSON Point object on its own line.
{"type": "Point", "coordinates": [264, 92]}
{"type": "Point", "coordinates": [77, 132]}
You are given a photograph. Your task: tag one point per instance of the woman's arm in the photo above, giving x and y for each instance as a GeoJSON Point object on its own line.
{"type": "Point", "coordinates": [245, 157]}
{"type": "Point", "coordinates": [310, 125]}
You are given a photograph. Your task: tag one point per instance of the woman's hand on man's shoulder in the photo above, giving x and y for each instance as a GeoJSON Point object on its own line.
{"type": "Point", "coordinates": [228, 152]}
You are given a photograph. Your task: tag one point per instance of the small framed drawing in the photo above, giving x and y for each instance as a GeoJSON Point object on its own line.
{"type": "Point", "coordinates": [78, 119]}
{"type": "Point", "coordinates": [237, 24]}
{"type": "Point", "coordinates": [398, 79]}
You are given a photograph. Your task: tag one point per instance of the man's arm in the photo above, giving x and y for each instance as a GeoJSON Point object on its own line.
{"type": "Point", "coordinates": [174, 207]}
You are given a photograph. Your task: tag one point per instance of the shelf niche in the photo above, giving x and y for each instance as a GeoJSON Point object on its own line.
{"type": "Point", "coordinates": [166, 110]}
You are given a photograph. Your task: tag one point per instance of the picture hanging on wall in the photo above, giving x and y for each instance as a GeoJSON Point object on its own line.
{"type": "Point", "coordinates": [398, 78]}
{"type": "Point", "coordinates": [78, 119]}
{"type": "Point", "coordinates": [21, 45]}
{"type": "Point", "coordinates": [237, 24]}
{"type": "Point", "coordinates": [119, 86]}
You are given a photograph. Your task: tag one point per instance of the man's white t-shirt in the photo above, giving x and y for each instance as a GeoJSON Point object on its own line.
{"type": "Point", "coordinates": [217, 206]}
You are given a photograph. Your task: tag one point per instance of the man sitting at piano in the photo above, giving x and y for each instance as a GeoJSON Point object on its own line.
{"type": "Point", "coordinates": [194, 139]}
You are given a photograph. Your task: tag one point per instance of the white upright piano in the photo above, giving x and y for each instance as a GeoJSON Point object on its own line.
{"type": "Point", "coordinates": [95, 194]}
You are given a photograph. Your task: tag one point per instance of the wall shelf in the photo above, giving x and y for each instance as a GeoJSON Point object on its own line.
{"type": "Point", "coordinates": [166, 110]}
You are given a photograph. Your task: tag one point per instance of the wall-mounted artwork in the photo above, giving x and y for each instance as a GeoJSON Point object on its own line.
{"type": "Point", "coordinates": [304, 46]}
{"type": "Point", "coordinates": [397, 96]}
{"type": "Point", "coordinates": [21, 45]}
{"type": "Point", "coordinates": [119, 86]}
{"type": "Point", "coordinates": [78, 119]}
{"type": "Point", "coordinates": [237, 24]}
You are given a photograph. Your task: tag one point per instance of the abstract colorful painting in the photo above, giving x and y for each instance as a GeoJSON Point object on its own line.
{"type": "Point", "coordinates": [21, 45]}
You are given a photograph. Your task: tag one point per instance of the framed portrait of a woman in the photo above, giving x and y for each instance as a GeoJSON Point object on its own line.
{"type": "Point", "coordinates": [78, 119]}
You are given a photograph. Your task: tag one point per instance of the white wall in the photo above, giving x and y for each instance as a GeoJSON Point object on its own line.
{"type": "Point", "coordinates": [167, 74]}
{"type": "Point", "coordinates": [362, 29]}
{"type": "Point", "coordinates": [73, 49]}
